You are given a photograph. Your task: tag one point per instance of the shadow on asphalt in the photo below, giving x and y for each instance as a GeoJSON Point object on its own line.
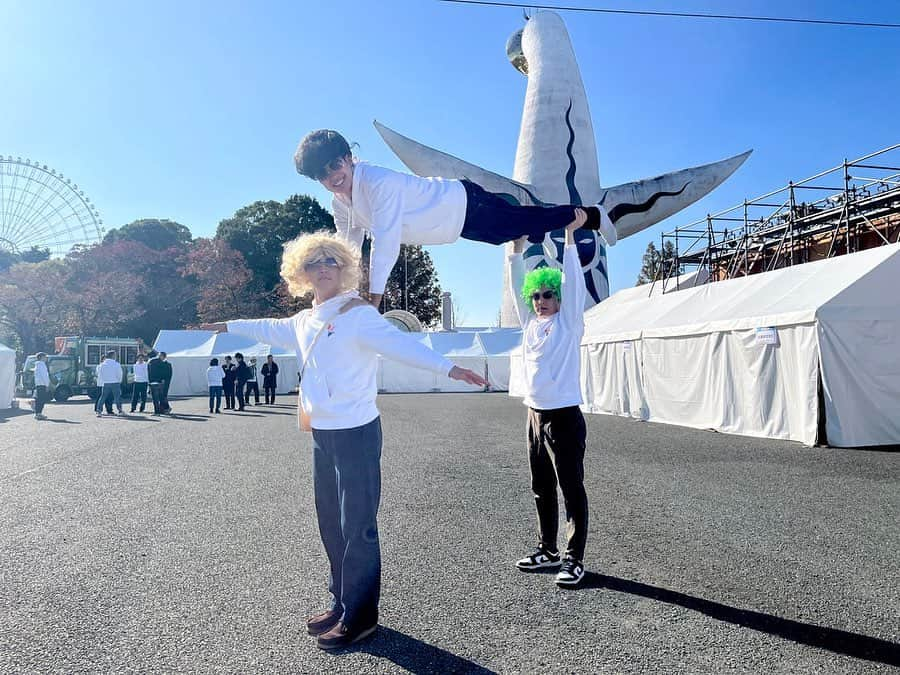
{"type": "Point", "coordinates": [61, 421]}
{"type": "Point", "coordinates": [187, 418]}
{"type": "Point", "coordinates": [416, 656]}
{"type": "Point", "coordinates": [7, 415]}
{"type": "Point", "coordinates": [831, 639]}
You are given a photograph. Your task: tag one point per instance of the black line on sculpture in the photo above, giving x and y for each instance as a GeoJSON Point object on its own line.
{"type": "Point", "coordinates": [574, 197]}
{"type": "Point", "coordinates": [622, 210]}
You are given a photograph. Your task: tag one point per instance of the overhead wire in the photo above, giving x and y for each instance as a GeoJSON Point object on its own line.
{"type": "Point", "coordinates": [691, 15]}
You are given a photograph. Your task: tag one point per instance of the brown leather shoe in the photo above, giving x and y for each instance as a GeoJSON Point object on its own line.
{"type": "Point", "coordinates": [322, 622]}
{"type": "Point", "coordinates": [343, 636]}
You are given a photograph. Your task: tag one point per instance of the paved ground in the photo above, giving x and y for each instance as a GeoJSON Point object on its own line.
{"type": "Point", "coordinates": [189, 545]}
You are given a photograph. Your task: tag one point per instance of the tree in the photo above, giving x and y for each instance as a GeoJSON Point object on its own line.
{"type": "Point", "coordinates": [159, 235]}
{"type": "Point", "coordinates": [31, 255]}
{"type": "Point", "coordinates": [656, 265]}
{"type": "Point", "coordinates": [260, 231]}
{"type": "Point", "coordinates": [225, 284]}
{"type": "Point", "coordinates": [33, 303]}
{"type": "Point", "coordinates": [412, 285]}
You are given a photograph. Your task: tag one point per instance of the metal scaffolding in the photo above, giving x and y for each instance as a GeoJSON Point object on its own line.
{"type": "Point", "coordinates": [851, 207]}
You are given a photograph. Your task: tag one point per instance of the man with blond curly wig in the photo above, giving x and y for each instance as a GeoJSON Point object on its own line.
{"type": "Point", "coordinates": [338, 340]}
{"type": "Point", "coordinates": [550, 305]}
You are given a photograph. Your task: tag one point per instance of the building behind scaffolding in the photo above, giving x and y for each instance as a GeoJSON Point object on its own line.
{"type": "Point", "coordinates": [851, 207]}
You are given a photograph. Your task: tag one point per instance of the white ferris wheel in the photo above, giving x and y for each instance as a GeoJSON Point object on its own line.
{"type": "Point", "coordinates": [39, 207]}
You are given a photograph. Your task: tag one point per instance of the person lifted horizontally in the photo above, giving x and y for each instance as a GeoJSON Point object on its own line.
{"type": "Point", "coordinates": [399, 208]}
{"type": "Point", "coordinates": [551, 335]}
{"type": "Point", "coordinates": [338, 342]}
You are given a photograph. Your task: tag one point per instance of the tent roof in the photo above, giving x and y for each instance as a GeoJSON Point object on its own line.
{"type": "Point", "coordinates": [208, 344]}
{"type": "Point", "coordinates": [834, 287]}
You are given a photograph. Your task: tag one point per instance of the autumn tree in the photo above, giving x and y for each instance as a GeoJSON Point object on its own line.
{"type": "Point", "coordinates": [34, 299]}
{"type": "Point", "coordinates": [225, 285]}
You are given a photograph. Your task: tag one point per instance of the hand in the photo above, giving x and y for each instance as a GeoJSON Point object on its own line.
{"type": "Point", "coordinates": [466, 375]}
{"type": "Point", "coordinates": [220, 327]}
{"type": "Point", "coordinates": [520, 244]}
{"type": "Point", "coordinates": [580, 220]}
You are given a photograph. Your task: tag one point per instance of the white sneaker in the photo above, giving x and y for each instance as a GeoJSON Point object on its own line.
{"type": "Point", "coordinates": [571, 573]}
{"type": "Point", "coordinates": [538, 559]}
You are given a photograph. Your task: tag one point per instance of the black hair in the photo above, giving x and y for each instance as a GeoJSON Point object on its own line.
{"type": "Point", "coordinates": [317, 149]}
{"type": "Point", "coordinates": [214, 362]}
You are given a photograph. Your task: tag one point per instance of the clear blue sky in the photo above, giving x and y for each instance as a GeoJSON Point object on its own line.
{"type": "Point", "coordinates": [189, 111]}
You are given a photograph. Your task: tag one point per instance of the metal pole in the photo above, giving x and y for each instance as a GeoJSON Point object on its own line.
{"type": "Point", "coordinates": [846, 208]}
{"type": "Point", "coordinates": [405, 278]}
{"type": "Point", "coordinates": [791, 222]}
{"type": "Point", "coordinates": [746, 242]}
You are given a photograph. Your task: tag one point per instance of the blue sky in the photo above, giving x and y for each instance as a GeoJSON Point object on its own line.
{"type": "Point", "coordinates": [190, 112]}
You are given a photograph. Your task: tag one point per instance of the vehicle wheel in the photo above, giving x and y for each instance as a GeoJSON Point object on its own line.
{"type": "Point", "coordinates": [62, 393]}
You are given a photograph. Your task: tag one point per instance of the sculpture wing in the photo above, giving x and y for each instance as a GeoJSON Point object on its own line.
{"type": "Point", "coordinates": [425, 161]}
{"type": "Point", "coordinates": [638, 205]}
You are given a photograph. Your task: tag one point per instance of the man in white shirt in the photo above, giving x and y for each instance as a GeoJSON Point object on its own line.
{"type": "Point", "coordinates": [398, 208]}
{"type": "Point", "coordinates": [552, 328]}
{"type": "Point", "coordinates": [41, 386]}
{"type": "Point", "coordinates": [109, 373]}
{"type": "Point", "coordinates": [141, 382]}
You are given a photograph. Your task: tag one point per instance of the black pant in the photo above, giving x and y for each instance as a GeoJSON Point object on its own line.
{"type": "Point", "coordinates": [139, 392]}
{"type": "Point", "coordinates": [40, 398]}
{"type": "Point", "coordinates": [556, 440]}
{"type": "Point", "coordinates": [228, 392]}
{"type": "Point", "coordinates": [239, 393]}
{"type": "Point", "coordinates": [491, 218]}
{"type": "Point", "coordinates": [252, 388]}
{"type": "Point", "coordinates": [159, 392]}
{"type": "Point", "coordinates": [269, 392]}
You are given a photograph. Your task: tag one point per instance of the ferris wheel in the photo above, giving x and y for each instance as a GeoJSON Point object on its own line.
{"type": "Point", "coordinates": [39, 207]}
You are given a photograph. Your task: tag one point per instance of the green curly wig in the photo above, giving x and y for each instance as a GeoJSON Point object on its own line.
{"type": "Point", "coordinates": [542, 277]}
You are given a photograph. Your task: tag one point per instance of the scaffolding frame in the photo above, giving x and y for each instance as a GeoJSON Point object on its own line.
{"type": "Point", "coordinates": [778, 230]}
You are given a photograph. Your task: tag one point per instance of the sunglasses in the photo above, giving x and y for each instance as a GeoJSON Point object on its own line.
{"type": "Point", "coordinates": [546, 295]}
{"type": "Point", "coordinates": [330, 168]}
{"type": "Point", "coordinates": [321, 262]}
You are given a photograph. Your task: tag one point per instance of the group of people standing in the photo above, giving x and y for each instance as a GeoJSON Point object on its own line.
{"type": "Point", "coordinates": [237, 380]}
{"type": "Point", "coordinates": [152, 372]}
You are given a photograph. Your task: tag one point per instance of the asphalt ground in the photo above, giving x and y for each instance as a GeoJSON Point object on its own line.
{"type": "Point", "coordinates": [189, 544]}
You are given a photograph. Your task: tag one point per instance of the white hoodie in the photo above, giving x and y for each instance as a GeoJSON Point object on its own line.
{"type": "Point", "coordinates": [551, 347]}
{"type": "Point", "coordinates": [109, 372]}
{"type": "Point", "coordinates": [339, 385]}
{"type": "Point", "coordinates": [398, 208]}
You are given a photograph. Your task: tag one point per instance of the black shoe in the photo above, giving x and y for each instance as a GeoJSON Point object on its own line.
{"type": "Point", "coordinates": [539, 559]}
{"type": "Point", "coordinates": [218, 412]}
{"type": "Point", "coordinates": [571, 573]}
{"type": "Point", "coordinates": [343, 635]}
{"type": "Point", "coordinates": [323, 622]}
{"type": "Point", "coordinates": [605, 227]}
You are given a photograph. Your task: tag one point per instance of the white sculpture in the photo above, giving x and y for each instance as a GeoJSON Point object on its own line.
{"type": "Point", "coordinates": [556, 159]}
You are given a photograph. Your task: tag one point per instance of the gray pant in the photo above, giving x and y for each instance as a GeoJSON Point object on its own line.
{"type": "Point", "coordinates": [111, 392]}
{"type": "Point", "coordinates": [347, 482]}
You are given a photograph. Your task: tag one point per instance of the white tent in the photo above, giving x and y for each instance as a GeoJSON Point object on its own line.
{"type": "Point", "coordinates": [746, 355]}
{"type": "Point", "coordinates": [189, 352]}
{"type": "Point", "coordinates": [7, 377]}
{"type": "Point", "coordinates": [484, 351]}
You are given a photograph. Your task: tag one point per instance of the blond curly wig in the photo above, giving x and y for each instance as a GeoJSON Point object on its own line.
{"type": "Point", "coordinates": [309, 247]}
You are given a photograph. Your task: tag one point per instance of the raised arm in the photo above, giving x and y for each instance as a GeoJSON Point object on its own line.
{"type": "Point", "coordinates": [516, 279]}
{"type": "Point", "coordinates": [387, 230]}
{"type": "Point", "coordinates": [574, 291]}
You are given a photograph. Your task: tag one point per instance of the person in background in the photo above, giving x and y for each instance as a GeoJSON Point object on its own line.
{"type": "Point", "coordinates": [228, 374]}
{"type": "Point", "coordinates": [160, 375]}
{"type": "Point", "coordinates": [252, 385]}
{"type": "Point", "coordinates": [241, 373]}
{"type": "Point", "coordinates": [552, 327]}
{"type": "Point", "coordinates": [141, 382]}
{"type": "Point", "coordinates": [41, 385]}
{"type": "Point", "coordinates": [270, 379]}
{"type": "Point", "coordinates": [214, 380]}
{"type": "Point", "coordinates": [110, 373]}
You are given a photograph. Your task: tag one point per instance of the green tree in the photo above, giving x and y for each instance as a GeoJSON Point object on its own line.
{"type": "Point", "coordinates": [160, 235]}
{"type": "Point", "coordinates": [260, 231]}
{"type": "Point", "coordinates": [412, 285]}
{"type": "Point", "coordinates": [655, 264]}
{"type": "Point", "coordinates": [32, 255]}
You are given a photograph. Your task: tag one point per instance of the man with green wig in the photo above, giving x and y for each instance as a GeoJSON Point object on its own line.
{"type": "Point", "coordinates": [550, 305]}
